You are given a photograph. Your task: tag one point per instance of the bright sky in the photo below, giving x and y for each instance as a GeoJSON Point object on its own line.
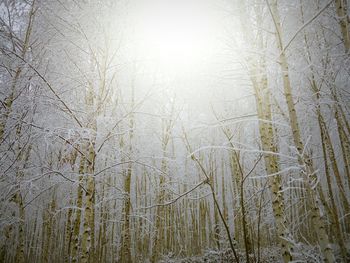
{"type": "Point", "coordinates": [176, 35]}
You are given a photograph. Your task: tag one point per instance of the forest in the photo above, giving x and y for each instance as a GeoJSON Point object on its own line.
{"type": "Point", "coordinates": [174, 131]}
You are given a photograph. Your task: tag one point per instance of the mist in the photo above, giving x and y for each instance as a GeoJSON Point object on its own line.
{"type": "Point", "coordinates": [174, 131]}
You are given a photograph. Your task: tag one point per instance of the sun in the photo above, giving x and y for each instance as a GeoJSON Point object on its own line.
{"type": "Point", "coordinates": [175, 35]}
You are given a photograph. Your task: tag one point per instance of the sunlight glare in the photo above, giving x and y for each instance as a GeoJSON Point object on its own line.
{"type": "Point", "coordinates": [175, 35]}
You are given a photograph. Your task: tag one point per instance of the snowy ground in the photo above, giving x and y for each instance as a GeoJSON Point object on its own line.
{"type": "Point", "coordinates": [302, 253]}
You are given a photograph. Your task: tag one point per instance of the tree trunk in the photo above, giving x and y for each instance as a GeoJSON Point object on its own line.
{"type": "Point", "coordinates": [341, 10]}
{"type": "Point", "coordinates": [293, 119]}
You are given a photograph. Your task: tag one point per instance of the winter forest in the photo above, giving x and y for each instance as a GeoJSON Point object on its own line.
{"type": "Point", "coordinates": [174, 131]}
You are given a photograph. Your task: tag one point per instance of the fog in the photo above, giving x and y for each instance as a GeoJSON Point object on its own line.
{"type": "Point", "coordinates": [174, 131]}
